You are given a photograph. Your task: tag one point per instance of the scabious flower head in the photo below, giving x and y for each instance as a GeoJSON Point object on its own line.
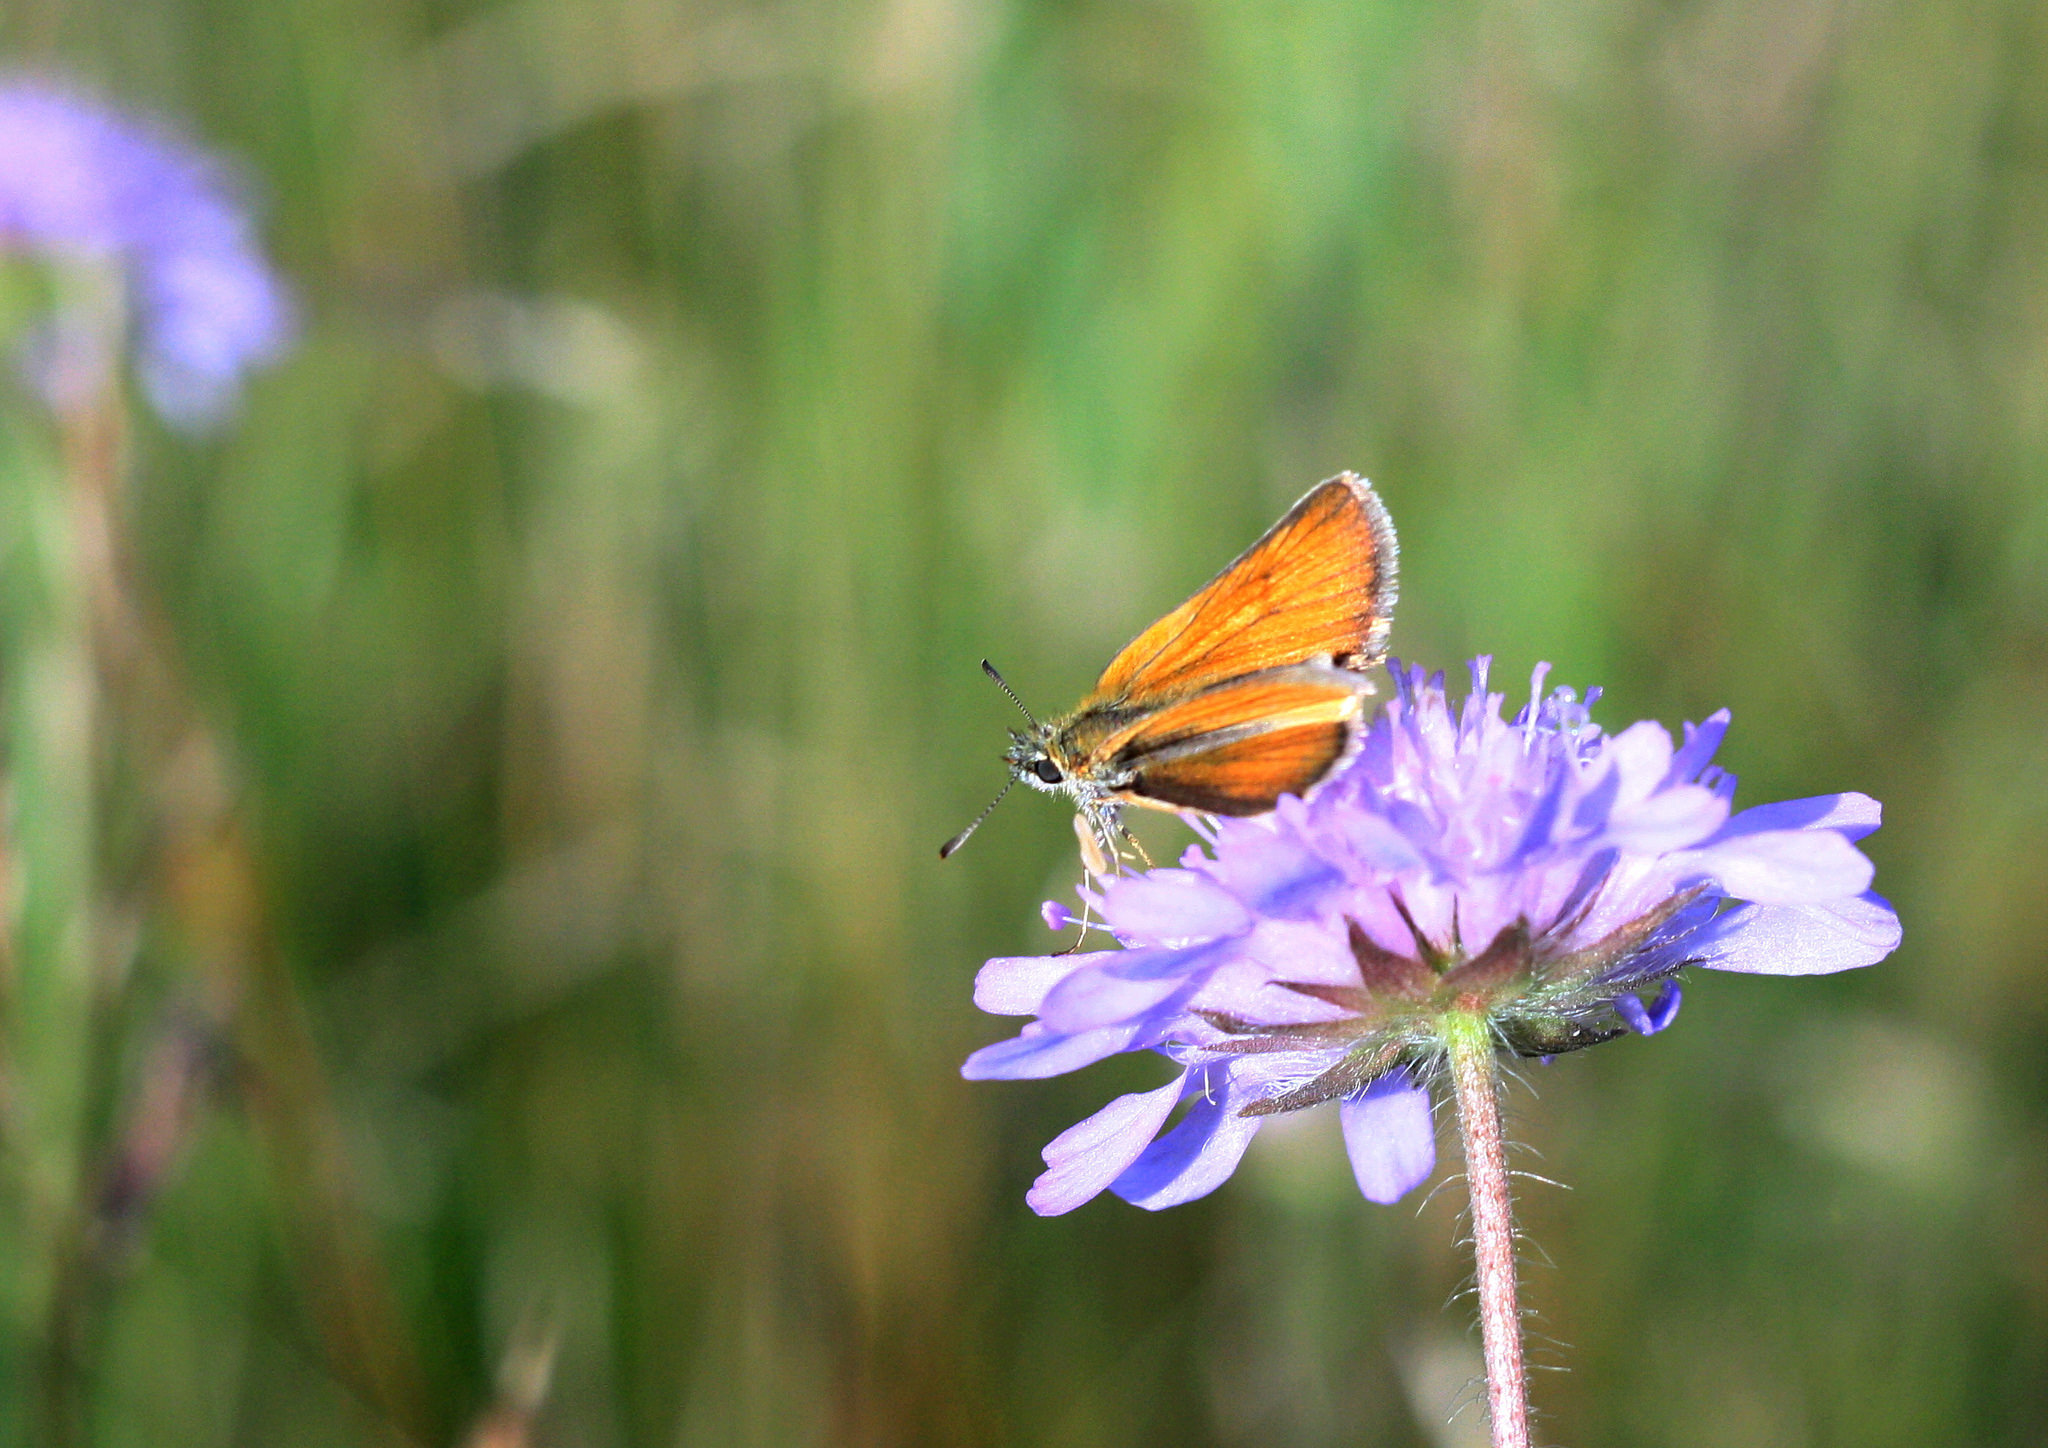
{"type": "Point", "coordinates": [80, 183]}
{"type": "Point", "coordinates": [1537, 873]}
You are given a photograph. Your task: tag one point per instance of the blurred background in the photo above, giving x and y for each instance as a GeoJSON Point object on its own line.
{"type": "Point", "coordinates": [485, 977]}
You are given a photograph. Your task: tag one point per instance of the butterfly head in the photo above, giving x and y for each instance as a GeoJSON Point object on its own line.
{"type": "Point", "coordinates": [1042, 756]}
{"type": "Point", "coordinates": [1031, 759]}
{"type": "Point", "coordinates": [1034, 756]}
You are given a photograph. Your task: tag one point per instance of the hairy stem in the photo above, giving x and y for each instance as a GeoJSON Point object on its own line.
{"type": "Point", "coordinates": [1493, 1228]}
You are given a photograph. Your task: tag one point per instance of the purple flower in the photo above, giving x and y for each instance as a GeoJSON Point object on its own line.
{"type": "Point", "coordinates": [80, 183]}
{"type": "Point", "coordinates": [1539, 874]}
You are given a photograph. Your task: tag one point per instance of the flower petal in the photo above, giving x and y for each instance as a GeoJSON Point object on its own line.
{"type": "Point", "coordinates": [1799, 939]}
{"type": "Point", "coordinates": [1271, 871]}
{"type": "Point", "coordinates": [1017, 985]}
{"type": "Point", "coordinates": [1035, 1053]}
{"type": "Point", "coordinates": [1702, 740]}
{"type": "Point", "coordinates": [1783, 867]}
{"type": "Point", "coordinates": [1170, 905]}
{"type": "Point", "coordinates": [1090, 1000]}
{"type": "Point", "coordinates": [1641, 754]}
{"type": "Point", "coordinates": [1853, 815]}
{"type": "Point", "coordinates": [1200, 1153]}
{"type": "Point", "coordinates": [1374, 842]}
{"type": "Point", "coordinates": [1088, 1156]}
{"type": "Point", "coordinates": [1390, 1136]}
{"type": "Point", "coordinates": [1124, 985]}
{"type": "Point", "coordinates": [1648, 1020]}
{"type": "Point", "coordinates": [79, 179]}
{"type": "Point", "coordinates": [1670, 819]}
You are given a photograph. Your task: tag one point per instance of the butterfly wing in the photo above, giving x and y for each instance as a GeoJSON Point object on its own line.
{"type": "Point", "coordinates": [1320, 584]}
{"type": "Point", "coordinates": [1236, 748]}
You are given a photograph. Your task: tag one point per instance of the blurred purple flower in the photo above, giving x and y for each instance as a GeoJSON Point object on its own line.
{"type": "Point", "coordinates": [80, 182]}
{"type": "Point", "coordinates": [1539, 873]}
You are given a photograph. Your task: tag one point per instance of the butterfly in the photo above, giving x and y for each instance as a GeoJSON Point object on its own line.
{"type": "Point", "coordinates": [1252, 689]}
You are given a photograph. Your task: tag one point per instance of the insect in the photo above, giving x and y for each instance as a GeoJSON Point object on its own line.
{"type": "Point", "coordinates": [1252, 689]}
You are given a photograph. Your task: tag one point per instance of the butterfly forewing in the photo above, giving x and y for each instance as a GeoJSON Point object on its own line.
{"type": "Point", "coordinates": [1321, 583]}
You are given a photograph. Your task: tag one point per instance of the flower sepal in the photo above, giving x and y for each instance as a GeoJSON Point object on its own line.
{"type": "Point", "coordinates": [1538, 1038]}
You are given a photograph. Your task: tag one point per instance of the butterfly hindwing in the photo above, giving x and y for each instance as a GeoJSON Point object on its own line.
{"type": "Point", "coordinates": [1246, 777]}
{"type": "Point", "coordinates": [1236, 748]}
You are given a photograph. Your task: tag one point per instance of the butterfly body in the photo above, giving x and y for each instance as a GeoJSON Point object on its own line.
{"type": "Point", "coordinates": [1252, 689]}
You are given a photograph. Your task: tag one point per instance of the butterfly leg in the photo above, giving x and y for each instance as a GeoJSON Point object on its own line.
{"type": "Point", "coordinates": [1097, 848]}
{"type": "Point", "coordinates": [1099, 860]}
{"type": "Point", "coordinates": [1086, 925]}
{"type": "Point", "coordinates": [1116, 821]}
{"type": "Point", "coordinates": [1103, 840]}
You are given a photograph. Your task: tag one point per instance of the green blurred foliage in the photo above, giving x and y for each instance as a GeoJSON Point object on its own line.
{"type": "Point", "coordinates": [690, 394]}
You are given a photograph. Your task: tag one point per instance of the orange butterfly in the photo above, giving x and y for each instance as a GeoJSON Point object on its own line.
{"type": "Point", "coordinates": [1252, 689]}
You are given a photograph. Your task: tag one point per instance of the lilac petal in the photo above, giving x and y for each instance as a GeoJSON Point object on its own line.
{"type": "Point", "coordinates": [1641, 754]}
{"type": "Point", "coordinates": [1156, 962]}
{"type": "Point", "coordinates": [1291, 818]}
{"type": "Point", "coordinates": [1542, 824]}
{"type": "Point", "coordinates": [1852, 815]}
{"type": "Point", "coordinates": [1670, 819]}
{"type": "Point", "coordinates": [1659, 1014]}
{"type": "Point", "coordinates": [1200, 1153]}
{"type": "Point", "coordinates": [1087, 1157]}
{"type": "Point", "coordinates": [1245, 989]}
{"type": "Point", "coordinates": [78, 179]}
{"type": "Point", "coordinates": [1799, 939]}
{"type": "Point", "coordinates": [1783, 867]}
{"type": "Point", "coordinates": [1592, 875]}
{"type": "Point", "coordinates": [1701, 742]}
{"type": "Point", "coordinates": [1016, 985]}
{"type": "Point", "coordinates": [1092, 999]}
{"type": "Point", "coordinates": [1281, 950]}
{"type": "Point", "coordinates": [1390, 1136]}
{"type": "Point", "coordinates": [1172, 905]}
{"type": "Point", "coordinates": [1423, 830]}
{"type": "Point", "coordinates": [1374, 842]}
{"type": "Point", "coordinates": [1036, 1053]}
{"type": "Point", "coordinates": [1128, 983]}
{"type": "Point", "coordinates": [1271, 871]}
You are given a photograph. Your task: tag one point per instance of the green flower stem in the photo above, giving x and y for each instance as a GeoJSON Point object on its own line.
{"type": "Point", "coordinates": [1470, 1042]}
{"type": "Point", "coordinates": [50, 721]}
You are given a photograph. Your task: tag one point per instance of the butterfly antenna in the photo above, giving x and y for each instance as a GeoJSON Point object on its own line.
{"type": "Point", "coordinates": [960, 839]}
{"type": "Point", "coordinates": [1004, 684]}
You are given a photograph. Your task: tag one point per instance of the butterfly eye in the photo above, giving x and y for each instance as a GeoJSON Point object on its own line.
{"type": "Point", "coordinates": [1046, 770]}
